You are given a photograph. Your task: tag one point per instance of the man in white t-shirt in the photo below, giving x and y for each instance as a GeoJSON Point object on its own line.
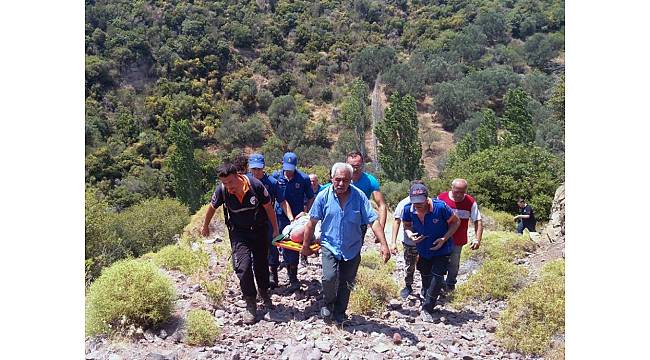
{"type": "Point", "coordinates": [410, 252]}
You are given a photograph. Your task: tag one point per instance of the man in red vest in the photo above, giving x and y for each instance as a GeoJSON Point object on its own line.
{"type": "Point", "coordinates": [465, 207]}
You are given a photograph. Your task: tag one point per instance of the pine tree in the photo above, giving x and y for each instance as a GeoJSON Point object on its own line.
{"type": "Point", "coordinates": [517, 119]}
{"type": "Point", "coordinates": [400, 150]}
{"type": "Point", "coordinates": [185, 170]}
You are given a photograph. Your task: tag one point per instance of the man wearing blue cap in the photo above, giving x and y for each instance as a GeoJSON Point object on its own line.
{"type": "Point", "coordinates": [294, 199]}
{"type": "Point", "coordinates": [430, 224]}
{"type": "Point", "coordinates": [256, 166]}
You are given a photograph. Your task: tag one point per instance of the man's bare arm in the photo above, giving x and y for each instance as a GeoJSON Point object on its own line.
{"type": "Point", "coordinates": [383, 209]}
{"type": "Point", "coordinates": [205, 231]}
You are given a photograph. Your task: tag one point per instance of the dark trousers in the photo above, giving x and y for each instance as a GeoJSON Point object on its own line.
{"type": "Point", "coordinates": [338, 280]}
{"type": "Point", "coordinates": [249, 257]}
{"type": "Point", "coordinates": [274, 254]}
{"type": "Point", "coordinates": [433, 271]}
{"type": "Point", "coordinates": [521, 227]}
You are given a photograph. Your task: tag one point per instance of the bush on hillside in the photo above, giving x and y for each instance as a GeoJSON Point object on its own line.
{"type": "Point", "coordinates": [129, 292]}
{"type": "Point", "coordinates": [374, 284]}
{"type": "Point", "coordinates": [501, 245]}
{"type": "Point", "coordinates": [394, 192]}
{"type": "Point", "coordinates": [536, 313]}
{"type": "Point", "coordinates": [102, 245]}
{"type": "Point", "coordinates": [497, 220]}
{"type": "Point", "coordinates": [152, 224]}
{"type": "Point", "coordinates": [201, 328]}
{"type": "Point", "coordinates": [520, 170]}
{"type": "Point", "coordinates": [216, 289]}
{"type": "Point", "coordinates": [495, 279]}
{"type": "Point", "coordinates": [182, 258]}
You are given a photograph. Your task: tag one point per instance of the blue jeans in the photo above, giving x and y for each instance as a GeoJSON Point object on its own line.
{"type": "Point", "coordinates": [454, 265]}
{"type": "Point", "coordinates": [521, 227]}
{"type": "Point", "coordinates": [433, 272]}
{"type": "Point", "coordinates": [338, 280]}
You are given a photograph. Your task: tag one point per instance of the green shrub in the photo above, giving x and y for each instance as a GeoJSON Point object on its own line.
{"type": "Point", "coordinates": [103, 246]}
{"type": "Point", "coordinates": [152, 224]}
{"type": "Point", "coordinates": [215, 289]}
{"type": "Point", "coordinates": [495, 279]}
{"type": "Point", "coordinates": [374, 261]}
{"type": "Point", "coordinates": [536, 313]}
{"type": "Point", "coordinates": [129, 292]}
{"type": "Point", "coordinates": [182, 258]}
{"type": "Point", "coordinates": [497, 220]}
{"type": "Point", "coordinates": [374, 284]}
{"type": "Point", "coordinates": [501, 245]}
{"type": "Point", "coordinates": [394, 192]}
{"type": "Point", "coordinates": [520, 170]}
{"type": "Point", "coordinates": [201, 328]}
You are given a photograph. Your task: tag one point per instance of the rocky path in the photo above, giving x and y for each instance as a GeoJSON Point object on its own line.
{"type": "Point", "coordinates": [293, 329]}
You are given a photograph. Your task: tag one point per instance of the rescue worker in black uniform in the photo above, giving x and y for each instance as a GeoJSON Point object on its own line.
{"type": "Point", "coordinates": [247, 212]}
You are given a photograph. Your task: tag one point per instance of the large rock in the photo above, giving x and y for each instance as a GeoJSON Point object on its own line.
{"type": "Point", "coordinates": [554, 230]}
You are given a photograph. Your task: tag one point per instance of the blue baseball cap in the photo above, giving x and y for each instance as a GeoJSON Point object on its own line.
{"type": "Point", "coordinates": [418, 193]}
{"type": "Point", "coordinates": [289, 161]}
{"type": "Point", "coordinates": [256, 161]}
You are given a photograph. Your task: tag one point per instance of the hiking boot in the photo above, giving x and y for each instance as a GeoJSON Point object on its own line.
{"type": "Point", "coordinates": [406, 291]}
{"type": "Point", "coordinates": [251, 310]}
{"type": "Point", "coordinates": [266, 299]}
{"type": "Point", "coordinates": [340, 318]}
{"type": "Point", "coordinates": [273, 277]}
{"type": "Point", "coordinates": [294, 284]}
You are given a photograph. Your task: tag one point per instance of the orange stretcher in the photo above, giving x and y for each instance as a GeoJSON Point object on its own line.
{"type": "Point", "coordinates": [285, 242]}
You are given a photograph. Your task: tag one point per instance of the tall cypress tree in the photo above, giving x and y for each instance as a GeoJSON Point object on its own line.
{"type": "Point", "coordinates": [486, 134]}
{"type": "Point", "coordinates": [517, 119]}
{"type": "Point", "coordinates": [400, 150]}
{"type": "Point", "coordinates": [187, 175]}
{"type": "Point", "coordinates": [355, 116]}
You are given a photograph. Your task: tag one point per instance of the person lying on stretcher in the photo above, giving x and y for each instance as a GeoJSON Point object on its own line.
{"type": "Point", "coordinates": [293, 234]}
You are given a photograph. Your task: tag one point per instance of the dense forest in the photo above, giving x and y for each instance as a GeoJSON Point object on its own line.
{"type": "Point", "coordinates": [173, 88]}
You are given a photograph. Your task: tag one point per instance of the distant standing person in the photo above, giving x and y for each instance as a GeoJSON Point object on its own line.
{"type": "Point", "coordinates": [295, 197]}
{"type": "Point", "coordinates": [430, 224]}
{"type": "Point", "coordinates": [247, 213]}
{"type": "Point", "coordinates": [256, 165]}
{"type": "Point", "coordinates": [410, 251]}
{"type": "Point", "coordinates": [342, 209]}
{"type": "Point", "coordinates": [466, 208]}
{"type": "Point", "coordinates": [526, 217]}
{"type": "Point", "coordinates": [316, 187]}
{"type": "Point", "coordinates": [369, 185]}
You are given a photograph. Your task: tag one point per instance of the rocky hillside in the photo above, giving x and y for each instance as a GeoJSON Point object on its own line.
{"type": "Point", "coordinates": [293, 329]}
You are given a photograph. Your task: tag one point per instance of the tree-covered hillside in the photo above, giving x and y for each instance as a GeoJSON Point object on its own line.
{"type": "Point", "coordinates": [174, 87]}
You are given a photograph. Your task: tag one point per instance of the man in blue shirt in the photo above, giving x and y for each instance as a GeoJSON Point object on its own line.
{"type": "Point", "coordinates": [316, 187]}
{"type": "Point", "coordinates": [369, 185]}
{"type": "Point", "coordinates": [256, 166]}
{"type": "Point", "coordinates": [294, 198]}
{"type": "Point", "coordinates": [430, 224]}
{"type": "Point", "coordinates": [342, 209]}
